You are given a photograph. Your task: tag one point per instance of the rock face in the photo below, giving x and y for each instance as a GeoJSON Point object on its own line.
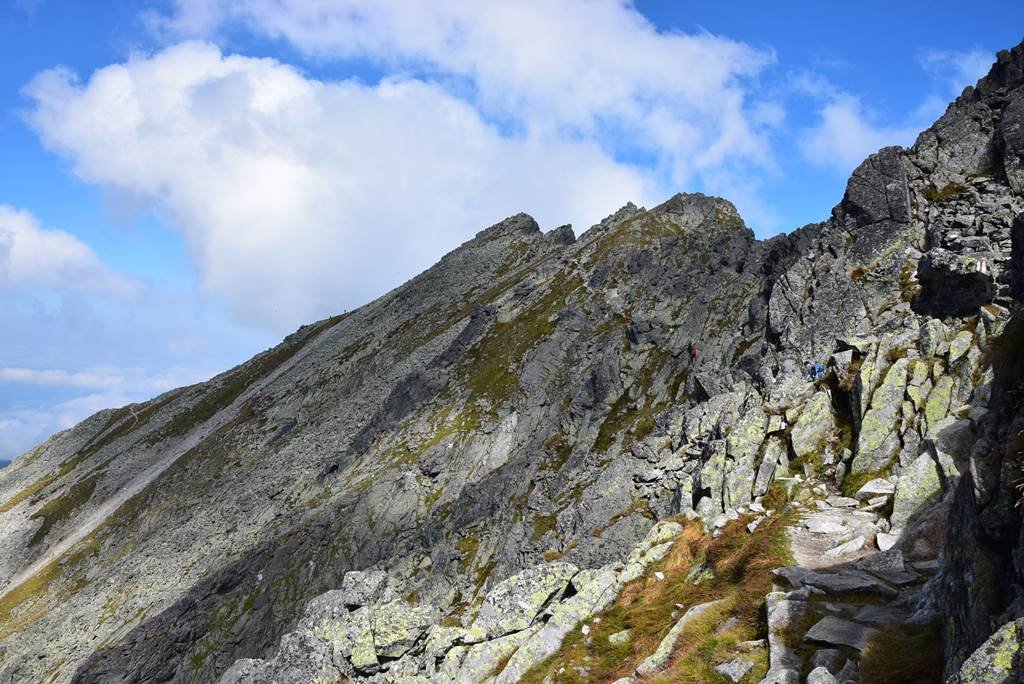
{"type": "Point", "coordinates": [445, 483]}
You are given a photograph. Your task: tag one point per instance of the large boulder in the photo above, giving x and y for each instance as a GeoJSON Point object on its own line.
{"type": "Point", "coordinates": [361, 587]}
{"type": "Point", "coordinates": [878, 442]}
{"type": "Point", "coordinates": [814, 427]}
{"type": "Point", "coordinates": [952, 285]}
{"type": "Point", "coordinates": [513, 604]}
{"type": "Point", "coordinates": [918, 484]}
{"type": "Point", "coordinates": [657, 660]}
{"type": "Point", "coordinates": [597, 595]}
{"type": "Point", "coordinates": [397, 626]}
{"type": "Point", "coordinates": [1000, 659]}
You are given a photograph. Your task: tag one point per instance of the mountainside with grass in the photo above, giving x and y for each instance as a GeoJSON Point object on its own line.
{"type": "Point", "coordinates": [512, 467]}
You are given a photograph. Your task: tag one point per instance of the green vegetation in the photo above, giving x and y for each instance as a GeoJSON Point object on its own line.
{"type": "Point", "coordinates": [904, 655]}
{"type": "Point", "coordinates": [558, 451]}
{"type": "Point", "coordinates": [542, 524]}
{"type": "Point", "coordinates": [489, 368]}
{"type": "Point", "coordinates": [740, 574]}
{"type": "Point", "coordinates": [854, 481]}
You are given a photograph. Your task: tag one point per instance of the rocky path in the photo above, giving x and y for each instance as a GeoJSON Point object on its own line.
{"type": "Point", "coordinates": [850, 582]}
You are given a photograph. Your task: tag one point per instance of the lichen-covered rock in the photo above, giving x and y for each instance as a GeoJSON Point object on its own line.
{"type": "Point", "coordinates": [513, 604]}
{"type": "Point", "coordinates": [481, 660]}
{"type": "Point", "coordinates": [878, 442]}
{"type": "Point", "coordinates": [397, 626]}
{"type": "Point", "coordinates": [999, 660]}
{"type": "Point", "coordinates": [774, 454]}
{"type": "Point", "coordinates": [938, 404]}
{"type": "Point", "coordinates": [361, 587]}
{"type": "Point", "coordinates": [917, 485]}
{"type": "Point", "coordinates": [814, 426]}
{"type": "Point", "coordinates": [595, 597]}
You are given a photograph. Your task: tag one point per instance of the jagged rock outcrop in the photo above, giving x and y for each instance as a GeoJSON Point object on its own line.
{"type": "Point", "coordinates": [445, 483]}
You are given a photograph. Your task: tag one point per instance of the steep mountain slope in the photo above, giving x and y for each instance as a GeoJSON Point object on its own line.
{"type": "Point", "coordinates": [531, 402]}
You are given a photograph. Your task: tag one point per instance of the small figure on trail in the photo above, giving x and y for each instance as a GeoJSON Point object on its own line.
{"type": "Point", "coordinates": [814, 371]}
{"type": "Point", "coordinates": [693, 352]}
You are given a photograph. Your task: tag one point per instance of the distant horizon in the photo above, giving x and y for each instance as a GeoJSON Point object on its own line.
{"type": "Point", "coordinates": [186, 183]}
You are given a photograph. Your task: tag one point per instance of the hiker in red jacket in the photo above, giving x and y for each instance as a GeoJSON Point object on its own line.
{"type": "Point", "coordinates": [693, 353]}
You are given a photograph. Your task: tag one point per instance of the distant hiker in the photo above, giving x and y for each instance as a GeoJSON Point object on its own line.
{"type": "Point", "coordinates": [693, 352]}
{"type": "Point", "coordinates": [814, 371]}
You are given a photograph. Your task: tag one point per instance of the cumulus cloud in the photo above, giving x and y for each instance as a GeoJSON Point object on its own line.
{"type": "Point", "coordinates": [31, 254]}
{"type": "Point", "coordinates": [848, 131]}
{"type": "Point", "coordinates": [580, 64]}
{"type": "Point", "coordinates": [299, 198]}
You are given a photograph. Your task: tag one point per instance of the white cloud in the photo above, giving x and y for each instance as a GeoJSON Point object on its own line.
{"type": "Point", "coordinates": [847, 133]}
{"type": "Point", "coordinates": [30, 254]}
{"type": "Point", "coordinates": [25, 424]}
{"type": "Point", "coordinates": [300, 198]}
{"type": "Point", "coordinates": [576, 63]}
{"type": "Point", "coordinates": [957, 68]}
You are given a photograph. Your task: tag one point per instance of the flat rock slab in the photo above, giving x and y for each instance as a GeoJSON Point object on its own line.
{"type": "Point", "coordinates": [838, 632]}
{"type": "Point", "coordinates": [878, 487]}
{"type": "Point", "coordinates": [735, 670]}
{"type": "Point", "coordinates": [898, 578]}
{"type": "Point", "coordinates": [848, 581]}
{"type": "Point", "coordinates": [887, 561]}
{"type": "Point", "coordinates": [847, 548]}
{"type": "Point", "coordinates": [880, 616]}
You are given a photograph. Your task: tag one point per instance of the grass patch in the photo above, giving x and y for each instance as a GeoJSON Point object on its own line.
{"type": "Point", "coordinates": [542, 524]}
{"type": "Point", "coordinates": [935, 194]}
{"type": "Point", "coordinates": [490, 368]}
{"type": "Point", "coordinates": [854, 481]}
{"type": "Point", "coordinates": [740, 567]}
{"type": "Point", "coordinates": [557, 450]}
{"type": "Point", "coordinates": [904, 655]}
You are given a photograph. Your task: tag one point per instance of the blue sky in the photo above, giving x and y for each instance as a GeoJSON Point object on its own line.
{"type": "Point", "coordinates": [184, 182]}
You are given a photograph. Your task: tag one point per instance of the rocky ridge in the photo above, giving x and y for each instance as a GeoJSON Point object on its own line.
{"type": "Point", "coordinates": [454, 481]}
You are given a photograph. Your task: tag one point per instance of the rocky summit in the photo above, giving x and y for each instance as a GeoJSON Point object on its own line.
{"type": "Point", "coordinates": [662, 450]}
